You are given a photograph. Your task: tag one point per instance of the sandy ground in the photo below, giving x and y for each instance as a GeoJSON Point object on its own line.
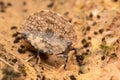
{"type": "Point", "coordinates": [97, 25]}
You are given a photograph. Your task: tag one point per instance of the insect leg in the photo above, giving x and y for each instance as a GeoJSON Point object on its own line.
{"type": "Point", "coordinates": [65, 55]}
{"type": "Point", "coordinates": [74, 49]}
{"type": "Point", "coordinates": [37, 56]}
{"type": "Point", "coordinates": [66, 61]}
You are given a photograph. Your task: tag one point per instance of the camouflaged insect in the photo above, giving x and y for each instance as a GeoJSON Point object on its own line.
{"type": "Point", "coordinates": [49, 32]}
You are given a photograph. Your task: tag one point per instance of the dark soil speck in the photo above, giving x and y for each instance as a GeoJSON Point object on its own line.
{"type": "Point", "coordinates": [21, 50]}
{"type": "Point", "coordinates": [72, 77]}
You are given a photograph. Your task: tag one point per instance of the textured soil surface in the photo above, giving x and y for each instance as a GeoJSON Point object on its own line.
{"type": "Point", "coordinates": [97, 25]}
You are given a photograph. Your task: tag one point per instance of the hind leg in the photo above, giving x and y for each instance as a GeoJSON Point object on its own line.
{"type": "Point", "coordinates": [66, 61]}
{"type": "Point", "coordinates": [65, 55]}
{"type": "Point", "coordinates": [37, 56]}
{"type": "Point", "coordinates": [28, 59]}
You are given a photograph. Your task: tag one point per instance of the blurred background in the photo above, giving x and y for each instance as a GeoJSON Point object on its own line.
{"type": "Point", "coordinates": [93, 21]}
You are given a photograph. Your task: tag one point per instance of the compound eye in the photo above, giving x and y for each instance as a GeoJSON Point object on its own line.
{"type": "Point", "coordinates": [24, 35]}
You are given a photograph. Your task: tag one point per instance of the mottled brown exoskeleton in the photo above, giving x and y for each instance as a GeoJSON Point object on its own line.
{"type": "Point", "coordinates": [49, 33]}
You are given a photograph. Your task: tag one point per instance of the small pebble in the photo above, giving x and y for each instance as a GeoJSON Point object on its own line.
{"type": "Point", "coordinates": [70, 20]}
{"type": "Point", "coordinates": [98, 16]}
{"type": "Point", "coordinates": [101, 31]}
{"type": "Point", "coordinates": [86, 45]}
{"type": "Point", "coordinates": [72, 77]}
{"type": "Point", "coordinates": [66, 13]}
{"type": "Point", "coordinates": [14, 60]}
{"type": "Point", "coordinates": [9, 4]}
{"type": "Point", "coordinates": [80, 71]}
{"type": "Point", "coordinates": [95, 33]}
{"type": "Point", "coordinates": [51, 4]}
{"type": "Point", "coordinates": [24, 3]}
{"type": "Point", "coordinates": [43, 78]}
{"type": "Point", "coordinates": [115, 0]}
{"type": "Point", "coordinates": [17, 39]}
{"type": "Point", "coordinates": [113, 55]}
{"type": "Point", "coordinates": [2, 10]}
{"type": "Point", "coordinates": [83, 41]}
{"type": "Point", "coordinates": [85, 53]}
{"type": "Point", "coordinates": [13, 27]}
{"type": "Point", "coordinates": [15, 34]}
{"type": "Point", "coordinates": [88, 50]}
{"type": "Point", "coordinates": [89, 38]}
{"type": "Point", "coordinates": [25, 10]}
{"type": "Point", "coordinates": [91, 15]}
{"type": "Point", "coordinates": [22, 46]}
{"type": "Point", "coordinates": [21, 50]}
{"type": "Point", "coordinates": [1, 3]}
{"type": "Point", "coordinates": [88, 28]}
{"type": "Point", "coordinates": [103, 39]}
{"type": "Point", "coordinates": [94, 23]}
{"type": "Point", "coordinates": [103, 57]}
{"type": "Point", "coordinates": [79, 58]}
